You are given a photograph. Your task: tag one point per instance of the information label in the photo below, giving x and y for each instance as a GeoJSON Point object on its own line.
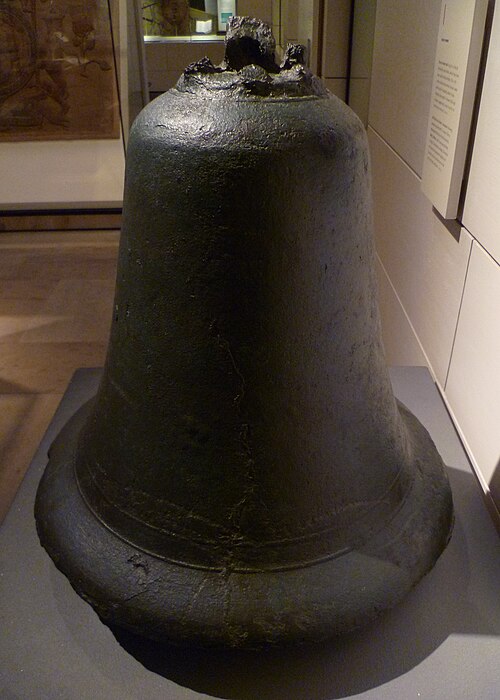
{"type": "Point", "coordinates": [456, 70]}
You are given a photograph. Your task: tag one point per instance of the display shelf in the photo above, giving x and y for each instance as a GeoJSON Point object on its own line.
{"type": "Point", "coordinates": [183, 39]}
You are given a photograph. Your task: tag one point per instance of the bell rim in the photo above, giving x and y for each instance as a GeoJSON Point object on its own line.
{"type": "Point", "coordinates": [170, 602]}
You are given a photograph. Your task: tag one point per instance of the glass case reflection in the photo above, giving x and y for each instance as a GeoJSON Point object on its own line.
{"type": "Point", "coordinates": [177, 19]}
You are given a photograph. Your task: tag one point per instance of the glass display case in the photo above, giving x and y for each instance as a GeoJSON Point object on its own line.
{"type": "Point", "coordinates": [179, 32]}
{"type": "Point", "coordinates": [173, 19]}
{"type": "Point", "coordinates": [180, 21]}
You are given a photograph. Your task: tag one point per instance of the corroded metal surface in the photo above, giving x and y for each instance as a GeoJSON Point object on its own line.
{"type": "Point", "coordinates": [245, 475]}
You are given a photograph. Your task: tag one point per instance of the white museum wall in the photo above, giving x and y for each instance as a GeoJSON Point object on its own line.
{"type": "Point", "coordinates": [363, 23]}
{"type": "Point", "coordinates": [424, 262]}
{"type": "Point", "coordinates": [294, 23]}
{"type": "Point", "coordinates": [263, 9]}
{"type": "Point", "coordinates": [481, 204]}
{"type": "Point", "coordinates": [80, 174]}
{"type": "Point", "coordinates": [402, 71]}
{"type": "Point", "coordinates": [335, 58]}
{"type": "Point", "coordinates": [400, 341]}
{"type": "Point", "coordinates": [473, 386]}
{"type": "Point", "coordinates": [440, 283]}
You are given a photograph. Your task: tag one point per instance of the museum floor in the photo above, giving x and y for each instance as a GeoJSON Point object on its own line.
{"type": "Point", "coordinates": [56, 295]}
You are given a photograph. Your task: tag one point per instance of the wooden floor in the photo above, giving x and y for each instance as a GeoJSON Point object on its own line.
{"type": "Point", "coordinates": [56, 297]}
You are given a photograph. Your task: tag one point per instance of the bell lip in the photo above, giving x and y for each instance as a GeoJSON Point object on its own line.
{"type": "Point", "coordinates": [177, 604]}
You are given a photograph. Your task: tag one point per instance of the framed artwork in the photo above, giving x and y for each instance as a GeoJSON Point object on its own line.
{"type": "Point", "coordinates": [57, 71]}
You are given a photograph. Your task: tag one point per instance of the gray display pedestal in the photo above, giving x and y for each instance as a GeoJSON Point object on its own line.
{"type": "Point", "coordinates": [441, 643]}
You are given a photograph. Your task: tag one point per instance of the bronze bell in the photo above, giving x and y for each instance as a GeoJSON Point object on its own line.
{"type": "Point", "coordinates": [244, 475]}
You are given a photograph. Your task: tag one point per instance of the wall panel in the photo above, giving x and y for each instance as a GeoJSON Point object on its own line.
{"type": "Point", "coordinates": [403, 64]}
{"type": "Point", "coordinates": [424, 261]}
{"type": "Point", "coordinates": [440, 288]}
{"type": "Point", "coordinates": [400, 342]}
{"type": "Point", "coordinates": [262, 9]}
{"type": "Point", "coordinates": [81, 174]}
{"type": "Point", "coordinates": [336, 38]}
{"type": "Point", "coordinates": [473, 386]}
